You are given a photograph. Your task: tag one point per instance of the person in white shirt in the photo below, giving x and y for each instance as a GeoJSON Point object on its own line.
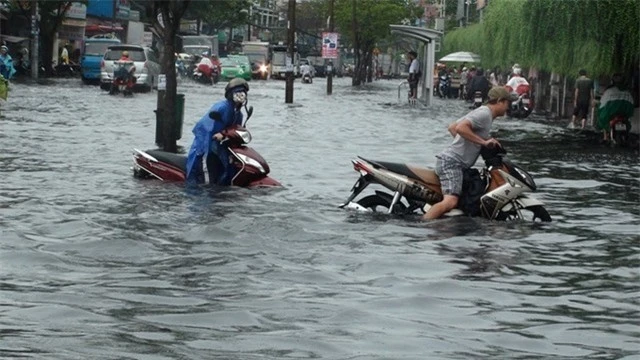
{"type": "Point", "coordinates": [414, 75]}
{"type": "Point", "coordinates": [305, 69]}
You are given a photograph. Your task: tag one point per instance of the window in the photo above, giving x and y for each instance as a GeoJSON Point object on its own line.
{"type": "Point", "coordinates": [116, 54]}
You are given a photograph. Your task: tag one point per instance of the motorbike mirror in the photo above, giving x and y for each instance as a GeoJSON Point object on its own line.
{"type": "Point", "coordinates": [249, 111]}
{"type": "Point", "coordinates": [215, 116]}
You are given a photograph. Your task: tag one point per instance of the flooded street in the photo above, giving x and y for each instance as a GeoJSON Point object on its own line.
{"type": "Point", "coordinates": [95, 264]}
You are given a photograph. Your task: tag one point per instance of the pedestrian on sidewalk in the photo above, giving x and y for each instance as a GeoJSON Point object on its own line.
{"type": "Point", "coordinates": [583, 98]}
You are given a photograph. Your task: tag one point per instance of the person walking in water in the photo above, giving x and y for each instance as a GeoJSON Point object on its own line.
{"type": "Point", "coordinates": [583, 98]}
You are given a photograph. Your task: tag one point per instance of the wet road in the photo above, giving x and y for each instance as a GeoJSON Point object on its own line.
{"type": "Point", "coordinates": [95, 264]}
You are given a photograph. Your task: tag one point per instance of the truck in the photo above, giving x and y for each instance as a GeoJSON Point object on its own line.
{"type": "Point", "coordinates": [92, 53]}
{"type": "Point", "coordinates": [197, 44]}
{"type": "Point", "coordinates": [259, 54]}
{"type": "Point", "coordinates": [135, 33]}
{"type": "Point", "coordinates": [279, 60]}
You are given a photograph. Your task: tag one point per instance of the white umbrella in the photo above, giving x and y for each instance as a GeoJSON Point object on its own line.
{"type": "Point", "coordinates": [461, 56]}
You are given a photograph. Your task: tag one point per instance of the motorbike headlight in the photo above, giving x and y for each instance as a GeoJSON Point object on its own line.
{"type": "Point", "coordinates": [263, 68]}
{"type": "Point", "coordinates": [245, 135]}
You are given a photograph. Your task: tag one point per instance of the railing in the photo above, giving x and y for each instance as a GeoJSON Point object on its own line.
{"type": "Point", "coordinates": [403, 83]}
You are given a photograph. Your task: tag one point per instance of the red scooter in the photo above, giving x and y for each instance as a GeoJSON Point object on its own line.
{"type": "Point", "coordinates": [251, 170]}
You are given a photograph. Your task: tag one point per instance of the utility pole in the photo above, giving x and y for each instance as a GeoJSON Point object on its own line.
{"type": "Point", "coordinates": [291, 35]}
{"type": "Point", "coordinates": [35, 40]}
{"type": "Point", "coordinates": [113, 16]}
{"type": "Point", "coordinates": [330, 67]}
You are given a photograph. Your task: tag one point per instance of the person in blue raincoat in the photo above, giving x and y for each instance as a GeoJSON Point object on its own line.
{"type": "Point", "coordinates": [6, 63]}
{"type": "Point", "coordinates": [206, 144]}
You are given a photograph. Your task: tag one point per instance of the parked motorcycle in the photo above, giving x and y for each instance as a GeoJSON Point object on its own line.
{"type": "Point", "coordinates": [498, 192]}
{"type": "Point", "coordinates": [123, 79]}
{"type": "Point", "coordinates": [306, 79]}
{"type": "Point", "coordinates": [251, 170]}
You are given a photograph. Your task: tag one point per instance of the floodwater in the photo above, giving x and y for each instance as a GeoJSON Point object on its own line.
{"type": "Point", "coordinates": [95, 264]}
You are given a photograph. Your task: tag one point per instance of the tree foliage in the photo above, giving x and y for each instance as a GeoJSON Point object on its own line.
{"type": "Point", "coordinates": [362, 23]}
{"type": "Point", "coordinates": [219, 14]}
{"type": "Point", "coordinates": [560, 36]}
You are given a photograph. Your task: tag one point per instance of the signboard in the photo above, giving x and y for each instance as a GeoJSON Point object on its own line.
{"type": "Point", "coordinates": [123, 9]}
{"type": "Point", "coordinates": [162, 82]}
{"type": "Point", "coordinates": [77, 11]}
{"type": "Point", "coordinates": [147, 38]}
{"type": "Point", "coordinates": [289, 64]}
{"type": "Point", "coordinates": [329, 45]}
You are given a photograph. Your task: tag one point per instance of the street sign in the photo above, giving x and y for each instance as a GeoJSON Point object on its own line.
{"type": "Point", "coordinates": [330, 45]}
{"type": "Point", "coordinates": [162, 82]}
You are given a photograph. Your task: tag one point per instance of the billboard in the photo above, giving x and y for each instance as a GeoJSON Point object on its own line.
{"type": "Point", "coordinates": [330, 45]}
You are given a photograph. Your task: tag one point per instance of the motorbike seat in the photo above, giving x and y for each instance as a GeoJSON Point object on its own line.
{"type": "Point", "coordinates": [425, 175]}
{"type": "Point", "coordinates": [177, 160]}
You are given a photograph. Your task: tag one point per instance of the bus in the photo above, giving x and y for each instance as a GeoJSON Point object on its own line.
{"type": "Point", "coordinates": [279, 58]}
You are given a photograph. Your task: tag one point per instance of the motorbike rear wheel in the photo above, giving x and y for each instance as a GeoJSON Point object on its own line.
{"type": "Point", "coordinates": [532, 213]}
{"type": "Point", "coordinates": [380, 204]}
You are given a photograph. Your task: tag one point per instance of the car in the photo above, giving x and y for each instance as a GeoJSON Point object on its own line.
{"type": "Point", "coordinates": [259, 66]}
{"type": "Point", "coordinates": [232, 69]}
{"type": "Point", "coordinates": [92, 55]}
{"type": "Point", "coordinates": [144, 59]}
{"type": "Point", "coordinates": [320, 70]}
{"type": "Point", "coordinates": [243, 61]}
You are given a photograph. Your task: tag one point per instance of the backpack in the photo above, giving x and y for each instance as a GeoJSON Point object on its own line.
{"type": "Point", "coordinates": [473, 187]}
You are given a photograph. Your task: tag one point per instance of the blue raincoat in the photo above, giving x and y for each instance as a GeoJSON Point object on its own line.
{"type": "Point", "coordinates": [204, 145]}
{"type": "Point", "coordinates": [6, 66]}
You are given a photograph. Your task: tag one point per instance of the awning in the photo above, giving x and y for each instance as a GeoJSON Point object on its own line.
{"type": "Point", "coordinates": [74, 22]}
{"type": "Point", "coordinates": [103, 28]}
{"type": "Point", "coordinates": [13, 39]}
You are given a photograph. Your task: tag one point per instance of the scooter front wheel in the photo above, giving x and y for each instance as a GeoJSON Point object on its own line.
{"type": "Point", "coordinates": [534, 213]}
{"type": "Point", "coordinates": [380, 204]}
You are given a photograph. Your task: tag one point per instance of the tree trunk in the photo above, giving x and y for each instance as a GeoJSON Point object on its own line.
{"type": "Point", "coordinates": [167, 63]}
{"type": "Point", "coordinates": [46, 54]}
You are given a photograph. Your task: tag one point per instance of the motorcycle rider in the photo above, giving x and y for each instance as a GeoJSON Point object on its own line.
{"type": "Point", "coordinates": [305, 70]}
{"type": "Point", "coordinates": [6, 63]}
{"type": "Point", "coordinates": [122, 72]}
{"type": "Point", "coordinates": [517, 83]}
{"type": "Point", "coordinates": [207, 141]}
{"type": "Point", "coordinates": [479, 82]}
{"type": "Point", "coordinates": [614, 101]}
{"type": "Point", "coordinates": [206, 65]}
{"type": "Point", "coordinates": [470, 133]}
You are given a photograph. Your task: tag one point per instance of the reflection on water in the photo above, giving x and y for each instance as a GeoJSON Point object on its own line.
{"type": "Point", "coordinates": [95, 264]}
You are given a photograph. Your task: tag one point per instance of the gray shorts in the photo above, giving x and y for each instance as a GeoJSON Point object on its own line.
{"type": "Point", "coordinates": [450, 171]}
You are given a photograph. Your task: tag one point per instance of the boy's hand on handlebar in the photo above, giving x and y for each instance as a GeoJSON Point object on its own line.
{"type": "Point", "coordinates": [492, 143]}
{"type": "Point", "coordinates": [218, 136]}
